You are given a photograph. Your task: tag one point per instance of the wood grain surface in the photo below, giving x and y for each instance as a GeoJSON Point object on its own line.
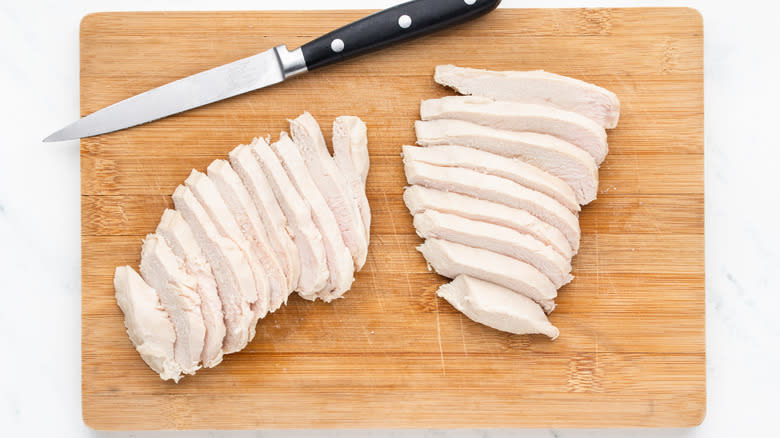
{"type": "Point", "coordinates": [631, 351]}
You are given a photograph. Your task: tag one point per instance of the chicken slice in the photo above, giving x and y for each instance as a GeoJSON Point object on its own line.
{"type": "Point", "coordinates": [496, 189]}
{"type": "Point", "coordinates": [543, 119]}
{"type": "Point", "coordinates": [235, 282]}
{"type": "Point", "coordinates": [350, 145]}
{"type": "Point", "coordinates": [451, 259]}
{"type": "Point", "coordinates": [239, 202]}
{"type": "Point", "coordinates": [485, 162]}
{"type": "Point", "coordinates": [340, 264]}
{"type": "Point", "coordinates": [350, 152]}
{"type": "Point", "coordinates": [331, 184]}
{"type": "Point", "coordinates": [314, 266]}
{"type": "Point", "coordinates": [180, 238]}
{"type": "Point", "coordinates": [419, 199]}
{"type": "Point", "coordinates": [165, 272]}
{"type": "Point", "coordinates": [275, 223]}
{"type": "Point", "coordinates": [502, 240]}
{"type": "Point", "coordinates": [553, 155]}
{"type": "Point", "coordinates": [207, 194]}
{"type": "Point", "coordinates": [497, 307]}
{"type": "Point", "coordinates": [148, 326]}
{"type": "Point", "coordinates": [540, 87]}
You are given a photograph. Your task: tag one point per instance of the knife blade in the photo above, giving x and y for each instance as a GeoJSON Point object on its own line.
{"type": "Point", "coordinates": [376, 31]}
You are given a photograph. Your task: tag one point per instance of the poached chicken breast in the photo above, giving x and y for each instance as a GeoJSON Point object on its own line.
{"type": "Point", "coordinates": [305, 234]}
{"type": "Point", "coordinates": [332, 185]}
{"type": "Point", "coordinates": [232, 273]}
{"type": "Point", "coordinates": [543, 119]}
{"type": "Point", "coordinates": [499, 180]}
{"type": "Point", "coordinates": [239, 202]}
{"type": "Point", "coordinates": [485, 162]}
{"type": "Point", "coordinates": [553, 155]}
{"type": "Point", "coordinates": [419, 199]}
{"type": "Point", "coordinates": [539, 87]}
{"type": "Point", "coordinates": [496, 189]}
{"type": "Point", "coordinates": [451, 259]}
{"type": "Point", "coordinates": [274, 221]}
{"type": "Point", "coordinates": [339, 259]}
{"type": "Point", "coordinates": [148, 326]}
{"type": "Point", "coordinates": [350, 151]}
{"type": "Point", "coordinates": [497, 307]}
{"type": "Point", "coordinates": [174, 229]}
{"type": "Point", "coordinates": [163, 271]}
{"type": "Point", "coordinates": [495, 238]}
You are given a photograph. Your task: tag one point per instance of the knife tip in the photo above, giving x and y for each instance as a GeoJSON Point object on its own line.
{"type": "Point", "coordinates": [56, 136]}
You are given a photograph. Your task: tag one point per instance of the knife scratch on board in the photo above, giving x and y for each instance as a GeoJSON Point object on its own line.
{"type": "Point", "coordinates": [372, 277]}
{"type": "Point", "coordinates": [398, 245]}
{"type": "Point", "coordinates": [462, 334]}
{"type": "Point", "coordinates": [438, 336]}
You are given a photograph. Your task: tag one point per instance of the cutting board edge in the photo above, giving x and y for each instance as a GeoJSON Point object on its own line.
{"type": "Point", "coordinates": [93, 422]}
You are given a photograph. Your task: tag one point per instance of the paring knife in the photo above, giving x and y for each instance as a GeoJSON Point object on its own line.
{"type": "Point", "coordinates": [393, 25]}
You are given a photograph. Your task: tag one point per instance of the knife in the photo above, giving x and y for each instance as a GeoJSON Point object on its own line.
{"type": "Point", "coordinates": [384, 28]}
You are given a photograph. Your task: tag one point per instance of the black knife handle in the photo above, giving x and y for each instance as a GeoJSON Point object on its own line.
{"type": "Point", "coordinates": [399, 23]}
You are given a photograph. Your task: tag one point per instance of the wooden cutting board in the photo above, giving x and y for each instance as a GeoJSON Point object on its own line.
{"type": "Point", "coordinates": [631, 351]}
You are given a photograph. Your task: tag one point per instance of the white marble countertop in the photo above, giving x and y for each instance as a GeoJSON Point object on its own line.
{"type": "Point", "coordinates": [39, 217]}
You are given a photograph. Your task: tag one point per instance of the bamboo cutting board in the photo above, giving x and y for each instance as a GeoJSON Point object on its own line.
{"type": "Point", "coordinates": [631, 351]}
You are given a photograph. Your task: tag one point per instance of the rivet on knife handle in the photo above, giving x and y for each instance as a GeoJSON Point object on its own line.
{"type": "Point", "coordinates": [396, 24]}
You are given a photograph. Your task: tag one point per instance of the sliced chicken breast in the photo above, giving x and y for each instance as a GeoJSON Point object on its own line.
{"type": "Point", "coordinates": [497, 307]}
{"type": "Point", "coordinates": [174, 229]}
{"type": "Point", "coordinates": [502, 240]}
{"type": "Point", "coordinates": [543, 119]}
{"type": "Point", "coordinates": [165, 272]}
{"type": "Point", "coordinates": [453, 259]}
{"type": "Point", "coordinates": [314, 265]}
{"type": "Point", "coordinates": [274, 221]}
{"type": "Point", "coordinates": [235, 282]}
{"type": "Point", "coordinates": [332, 184]}
{"type": "Point", "coordinates": [419, 199]}
{"type": "Point", "coordinates": [553, 155]}
{"type": "Point", "coordinates": [485, 162]}
{"type": "Point", "coordinates": [207, 194]}
{"type": "Point", "coordinates": [148, 326]}
{"type": "Point", "coordinates": [339, 260]}
{"type": "Point", "coordinates": [350, 145]}
{"type": "Point", "coordinates": [240, 204]}
{"type": "Point", "coordinates": [496, 189]}
{"type": "Point", "coordinates": [350, 152]}
{"type": "Point", "coordinates": [539, 87]}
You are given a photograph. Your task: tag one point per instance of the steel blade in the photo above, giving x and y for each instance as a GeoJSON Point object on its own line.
{"type": "Point", "coordinates": [258, 71]}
